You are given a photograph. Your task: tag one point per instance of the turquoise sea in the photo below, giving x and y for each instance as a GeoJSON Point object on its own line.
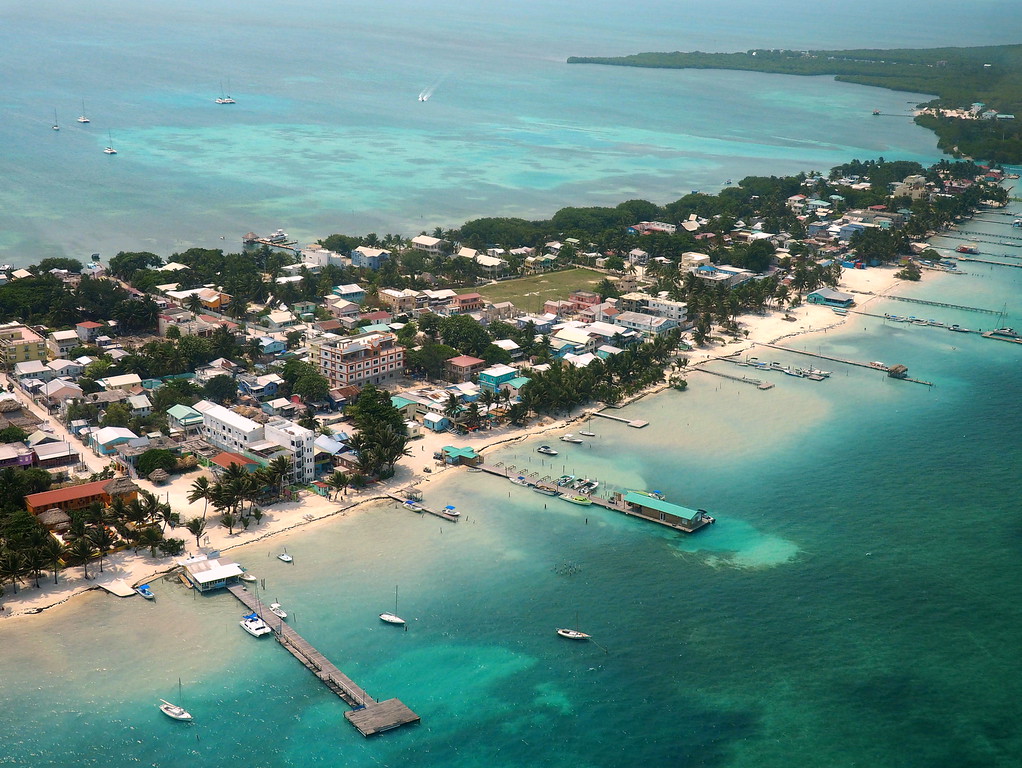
{"type": "Point", "coordinates": [857, 602]}
{"type": "Point", "coordinates": [328, 134]}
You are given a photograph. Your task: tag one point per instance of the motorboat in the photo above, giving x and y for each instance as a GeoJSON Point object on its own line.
{"type": "Point", "coordinates": [565, 480]}
{"type": "Point", "coordinates": [520, 480]}
{"type": "Point", "coordinates": [255, 626]}
{"type": "Point", "coordinates": [546, 450]}
{"type": "Point", "coordinates": [174, 711]}
{"type": "Point", "coordinates": [569, 438]}
{"type": "Point", "coordinates": [546, 491]}
{"type": "Point", "coordinates": [285, 557]}
{"type": "Point", "coordinates": [573, 634]}
{"type": "Point", "coordinates": [246, 576]}
{"type": "Point", "coordinates": [277, 610]}
{"type": "Point", "coordinates": [145, 591]}
{"type": "Point", "coordinates": [577, 499]}
{"type": "Point", "coordinates": [589, 486]}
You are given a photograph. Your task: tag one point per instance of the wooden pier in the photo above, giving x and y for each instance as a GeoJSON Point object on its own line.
{"type": "Point", "coordinates": [989, 261]}
{"type": "Point", "coordinates": [369, 715]}
{"type": "Point", "coordinates": [545, 482]}
{"type": "Point", "coordinates": [740, 379]}
{"type": "Point", "coordinates": [636, 423]}
{"type": "Point", "coordinates": [870, 366]}
{"type": "Point", "coordinates": [413, 501]}
{"type": "Point", "coordinates": [929, 303]}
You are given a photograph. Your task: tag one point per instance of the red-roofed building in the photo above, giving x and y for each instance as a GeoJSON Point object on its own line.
{"type": "Point", "coordinates": [377, 317]}
{"type": "Point", "coordinates": [88, 331]}
{"type": "Point", "coordinates": [461, 368]}
{"type": "Point", "coordinates": [81, 496]}
{"type": "Point", "coordinates": [224, 459]}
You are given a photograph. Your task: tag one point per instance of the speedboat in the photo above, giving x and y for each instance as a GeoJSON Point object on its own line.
{"type": "Point", "coordinates": [573, 634]}
{"type": "Point", "coordinates": [520, 480]}
{"type": "Point", "coordinates": [246, 576]}
{"type": "Point", "coordinates": [565, 480]}
{"type": "Point", "coordinates": [546, 450]}
{"type": "Point", "coordinates": [145, 591]}
{"type": "Point", "coordinates": [285, 557]}
{"type": "Point", "coordinates": [174, 711]}
{"type": "Point", "coordinates": [589, 486]}
{"type": "Point", "coordinates": [255, 626]}
{"type": "Point", "coordinates": [278, 611]}
{"type": "Point", "coordinates": [569, 438]}
{"type": "Point", "coordinates": [546, 491]}
{"type": "Point", "coordinates": [580, 500]}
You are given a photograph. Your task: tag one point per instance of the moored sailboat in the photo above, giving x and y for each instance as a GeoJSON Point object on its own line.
{"type": "Point", "coordinates": [392, 618]}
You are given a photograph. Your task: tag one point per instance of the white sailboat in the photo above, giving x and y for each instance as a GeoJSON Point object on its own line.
{"type": "Point", "coordinates": [392, 618]}
{"type": "Point", "coordinates": [225, 98]}
{"type": "Point", "coordinates": [173, 710]}
{"type": "Point", "coordinates": [56, 125]}
{"type": "Point", "coordinates": [82, 118]}
{"type": "Point", "coordinates": [110, 145]}
{"type": "Point", "coordinates": [573, 634]}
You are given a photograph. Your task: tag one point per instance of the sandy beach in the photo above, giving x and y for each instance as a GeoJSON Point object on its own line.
{"type": "Point", "coordinates": [419, 468]}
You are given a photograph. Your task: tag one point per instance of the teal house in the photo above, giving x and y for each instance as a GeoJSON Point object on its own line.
{"type": "Point", "coordinates": [493, 377]}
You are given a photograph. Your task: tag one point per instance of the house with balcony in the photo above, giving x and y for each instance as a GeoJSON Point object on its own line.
{"type": "Point", "coordinates": [105, 441]}
{"type": "Point", "coordinates": [648, 326]}
{"type": "Point", "coordinates": [352, 292]}
{"type": "Point", "coordinates": [184, 418]}
{"type": "Point", "coordinates": [494, 377]}
{"type": "Point", "coordinates": [373, 357]}
{"type": "Point", "coordinates": [365, 257]}
{"type": "Point", "coordinates": [81, 496]}
{"type": "Point", "coordinates": [463, 368]}
{"type": "Point", "coordinates": [59, 343]}
{"type": "Point", "coordinates": [432, 246]}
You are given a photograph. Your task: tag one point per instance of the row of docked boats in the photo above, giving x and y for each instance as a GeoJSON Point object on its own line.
{"type": "Point", "coordinates": [811, 373]}
{"type": "Point", "coordinates": [912, 319]}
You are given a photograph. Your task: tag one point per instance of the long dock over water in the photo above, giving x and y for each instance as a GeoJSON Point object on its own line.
{"type": "Point", "coordinates": [544, 482]}
{"type": "Point", "coordinates": [636, 423]}
{"type": "Point", "coordinates": [369, 715]}
{"type": "Point", "coordinates": [833, 359]}
{"type": "Point", "coordinates": [414, 503]}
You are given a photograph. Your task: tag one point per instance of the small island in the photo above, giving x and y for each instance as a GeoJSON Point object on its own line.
{"type": "Point", "coordinates": [978, 90]}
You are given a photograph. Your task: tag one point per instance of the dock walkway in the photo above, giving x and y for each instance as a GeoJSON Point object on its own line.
{"type": "Point", "coordinates": [417, 506]}
{"type": "Point", "coordinates": [870, 366]}
{"type": "Point", "coordinates": [740, 379]}
{"type": "Point", "coordinates": [636, 423]}
{"type": "Point", "coordinates": [369, 715]}
{"type": "Point", "coordinates": [942, 304]}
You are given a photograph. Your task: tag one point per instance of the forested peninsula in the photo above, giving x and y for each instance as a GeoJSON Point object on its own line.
{"type": "Point", "coordinates": [990, 76]}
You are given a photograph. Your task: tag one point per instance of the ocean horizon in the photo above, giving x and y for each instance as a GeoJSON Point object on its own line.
{"type": "Point", "coordinates": [328, 134]}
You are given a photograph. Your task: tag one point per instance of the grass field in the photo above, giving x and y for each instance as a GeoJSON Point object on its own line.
{"type": "Point", "coordinates": [530, 293]}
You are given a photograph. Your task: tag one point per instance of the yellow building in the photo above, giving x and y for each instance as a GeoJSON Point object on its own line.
{"type": "Point", "coordinates": [20, 344]}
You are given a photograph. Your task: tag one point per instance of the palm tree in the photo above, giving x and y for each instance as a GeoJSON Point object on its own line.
{"type": "Point", "coordinates": [339, 481]}
{"type": "Point", "coordinates": [452, 407]}
{"type": "Point", "coordinates": [280, 470]}
{"type": "Point", "coordinates": [103, 540]}
{"type": "Point", "coordinates": [229, 520]}
{"type": "Point", "coordinates": [194, 303]}
{"type": "Point", "coordinates": [201, 489]}
{"type": "Point", "coordinates": [12, 567]}
{"type": "Point", "coordinates": [55, 551]}
{"type": "Point", "coordinates": [80, 551]}
{"type": "Point", "coordinates": [151, 537]}
{"type": "Point", "coordinates": [197, 526]}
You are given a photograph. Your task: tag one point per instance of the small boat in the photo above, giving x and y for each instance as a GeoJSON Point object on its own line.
{"type": "Point", "coordinates": [967, 248]}
{"type": "Point", "coordinates": [796, 372]}
{"type": "Point", "coordinates": [110, 147]}
{"type": "Point", "coordinates": [546, 450]}
{"type": "Point", "coordinates": [573, 634]}
{"type": "Point", "coordinates": [392, 618]}
{"type": "Point", "coordinates": [82, 118]}
{"type": "Point", "coordinates": [520, 480]}
{"type": "Point", "coordinates": [589, 486]}
{"type": "Point", "coordinates": [174, 711]}
{"type": "Point", "coordinates": [255, 626]}
{"type": "Point", "coordinates": [56, 125]}
{"type": "Point", "coordinates": [248, 577]}
{"type": "Point", "coordinates": [876, 112]}
{"type": "Point", "coordinates": [145, 591]}
{"type": "Point", "coordinates": [810, 371]}
{"type": "Point", "coordinates": [278, 611]}
{"type": "Point", "coordinates": [839, 311]}
{"type": "Point", "coordinates": [586, 433]}
{"type": "Point", "coordinates": [565, 480]}
{"type": "Point", "coordinates": [659, 495]}
{"type": "Point", "coordinates": [569, 438]}
{"type": "Point", "coordinates": [450, 511]}
{"type": "Point", "coordinates": [958, 329]}
{"type": "Point", "coordinates": [546, 491]}
{"type": "Point", "coordinates": [285, 557]}
{"type": "Point", "coordinates": [577, 499]}
{"type": "Point", "coordinates": [280, 236]}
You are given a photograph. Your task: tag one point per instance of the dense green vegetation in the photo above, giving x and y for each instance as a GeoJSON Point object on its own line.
{"type": "Point", "coordinates": [957, 76]}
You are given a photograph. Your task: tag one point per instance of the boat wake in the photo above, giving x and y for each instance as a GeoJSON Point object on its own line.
{"type": "Point", "coordinates": [426, 93]}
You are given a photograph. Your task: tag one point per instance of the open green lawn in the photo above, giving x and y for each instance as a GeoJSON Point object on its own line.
{"type": "Point", "coordinates": [529, 293]}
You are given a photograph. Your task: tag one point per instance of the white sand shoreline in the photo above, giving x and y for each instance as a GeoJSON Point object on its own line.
{"type": "Point", "coordinates": [419, 468]}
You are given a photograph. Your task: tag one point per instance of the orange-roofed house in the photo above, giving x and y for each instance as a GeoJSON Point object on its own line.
{"type": "Point", "coordinates": [224, 459]}
{"type": "Point", "coordinates": [461, 368]}
{"type": "Point", "coordinates": [81, 496]}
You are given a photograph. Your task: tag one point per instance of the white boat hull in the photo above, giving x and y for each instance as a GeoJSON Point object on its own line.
{"type": "Point", "coordinates": [390, 618]}
{"type": "Point", "coordinates": [173, 711]}
{"type": "Point", "coordinates": [572, 634]}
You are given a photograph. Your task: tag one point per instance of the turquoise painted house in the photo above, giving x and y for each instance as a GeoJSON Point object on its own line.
{"type": "Point", "coordinates": [492, 378]}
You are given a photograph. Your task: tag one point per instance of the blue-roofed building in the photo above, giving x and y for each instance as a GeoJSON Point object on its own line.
{"type": "Point", "coordinates": [657, 510]}
{"type": "Point", "coordinates": [830, 298]}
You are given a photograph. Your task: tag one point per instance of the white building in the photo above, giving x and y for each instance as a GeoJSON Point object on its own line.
{"type": "Point", "coordinates": [226, 429]}
{"type": "Point", "coordinates": [299, 441]}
